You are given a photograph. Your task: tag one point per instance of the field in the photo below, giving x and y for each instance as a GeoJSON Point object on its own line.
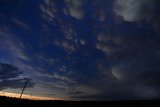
{"type": "Point", "coordinates": [14, 102]}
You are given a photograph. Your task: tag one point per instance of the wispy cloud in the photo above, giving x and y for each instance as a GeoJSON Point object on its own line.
{"type": "Point", "coordinates": [20, 23]}
{"type": "Point", "coordinates": [10, 44]}
{"type": "Point", "coordinates": [69, 46]}
{"type": "Point", "coordinates": [49, 10]}
{"type": "Point", "coordinates": [74, 8]}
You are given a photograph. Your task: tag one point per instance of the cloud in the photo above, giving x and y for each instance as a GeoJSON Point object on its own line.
{"type": "Point", "coordinates": [101, 12]}
{"type": "Point", "coordinates": [40, 77]}
{"type": "Point", "coordinates": [82, 42]}
{"type": "Point", "coordinates": [86, 59]}
{"type": "Point", "coordinates": [69, 46]}
{"type": "Point", "coordinates": [15, 84]}
{"type": "Point", "coordinates": [104, 48]}
{"type": "Point", "coordinates": [16, 50]}
{"type": "Point", "coordinates": [80, 91]}
{"type": "Point", "coordinates": [127, 52]}
{"type": "Point", "coordinates": [61, 77]}
{"type": "Point", "coordinates": [109, 44]}
{"type": "Point", "coordinates": [102, 37]}
{"type": "Point", "coordinates": [68, 30]}
{"type": "Point", "coordinates": [145, 92]}
{"type": "Point", "coordinates": [135, 10]}
{"type": "Point", "coordinates": [50, 61]}
{"type": "Point", "coordinates": [49, 10]}
{"type": "Point", "coordinates": [123, 78]}
{"type": "Point", "coordinates": [150, 78]}
{"type": "Point", "coordinates": [75, 93]}
{"type": "Point", "coordinates": [117, 73]}
{"type": "Point", "coordinates": [20, 24]}
{"type": "Point", "coordinates": [8, 71]}
{"type": "Point", "coordinates": [10, 44]}
{"type": "Point", "coordinates": [10, 77]}
{"type": "Point", "coordinates": [74, 8]}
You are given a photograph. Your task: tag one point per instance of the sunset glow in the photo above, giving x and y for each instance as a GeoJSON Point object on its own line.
{"type": "Point", "coordinates": [25, 96]}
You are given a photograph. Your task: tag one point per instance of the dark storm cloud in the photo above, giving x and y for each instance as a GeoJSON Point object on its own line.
{"type": "Point", "coordinates": [75, 93]}
{"type": "Point", "coordinates": [151, 78]}
{"type": "Point", "coordinates": [76, 49]}
{"type": "Point", "coordinates": [131, 86]}
{"type": "Point", "coordinates": [135, 10]}
{"type": "Point", "coordinates": [105, 96]}
{"type": "Point", "coordinates": [133, 65]}
{"type": "Point", "coordinates": [128, 51]}
{"type": "Point", "coordinates": [10, 77]}
{"type": "Point", "coordinates": [8, 71]}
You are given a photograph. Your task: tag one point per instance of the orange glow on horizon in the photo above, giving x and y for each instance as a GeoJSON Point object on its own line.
{"type": "Point", "coordinates": [25, 96]}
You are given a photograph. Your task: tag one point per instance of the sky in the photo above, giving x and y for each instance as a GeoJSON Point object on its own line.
{"type": "Point", "coordinates": [80, 49]}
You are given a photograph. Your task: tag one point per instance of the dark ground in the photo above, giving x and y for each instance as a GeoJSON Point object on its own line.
{"type": "Point", "coordinates": [13, 102]}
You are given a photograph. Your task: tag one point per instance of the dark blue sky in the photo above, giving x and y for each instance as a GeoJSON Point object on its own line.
{"type": "Point", "coordinates": [81, 49]}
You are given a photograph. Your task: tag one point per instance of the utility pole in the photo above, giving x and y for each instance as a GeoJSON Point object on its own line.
{"type": "Point", "coordinates": [23, 89]}
{"type": "Point", "coordinates": [133, 95]}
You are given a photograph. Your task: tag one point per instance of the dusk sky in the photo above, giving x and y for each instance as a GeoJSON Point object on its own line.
{"type": "Point", "coordinates": [81, 49]}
